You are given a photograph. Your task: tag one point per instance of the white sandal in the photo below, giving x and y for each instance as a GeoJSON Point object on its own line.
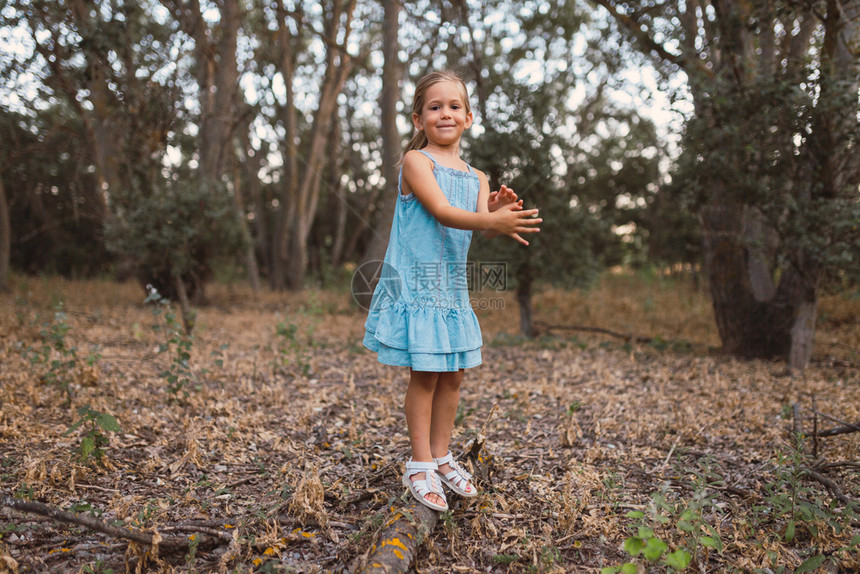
{"type": "Point", "coordinates": [458, 479]}
{"type": "Point", "coordinates": [429, 484]}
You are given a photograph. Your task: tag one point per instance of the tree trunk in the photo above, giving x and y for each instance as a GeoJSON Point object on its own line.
{"type": "Point", "coordinates": [286, 213]}
{"type": "Point", "coordinates": [392, 144]}
{"type": "Point", "coordinates": [306, 196]}
{"type": "Point", "coordinates": [5, 240]}
{"type": "Point", "coordinates": [250, 255]}
{"type": "Point", "coordinates": [338, 197]}
{"type": "Point", "coordinates": [217, 78]}
{"type": "Point", "coordinates": [781, 325]}
{"type": "Point", "coordinates": [252, 163]}
{"type": "Point", "coordinates": [524, 299]}
{"type": "Point", "coordinates": [186, 311]}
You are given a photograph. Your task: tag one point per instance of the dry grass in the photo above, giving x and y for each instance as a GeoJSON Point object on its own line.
{"type": "Point", "coordinates": [295, 439]}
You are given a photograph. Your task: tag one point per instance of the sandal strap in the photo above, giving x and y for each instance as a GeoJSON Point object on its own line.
{"type": "Point", "coordinates": [429, 485]}
{"type": "Point", "coordinates": [416, 466]}
{"type": "Point", "coordinates": [457, 473]}
{"type": "Point", "coordinates": [447, 459]}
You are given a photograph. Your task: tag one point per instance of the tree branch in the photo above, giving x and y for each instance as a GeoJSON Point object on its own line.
{"type": "Point", "coordinates": [214, 537]}
{"type": "Point", "coordinates": [641, 33]}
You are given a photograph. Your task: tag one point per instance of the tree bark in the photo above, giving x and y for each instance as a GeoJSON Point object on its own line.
{"type": "Point", "coordinates": [392, 144]}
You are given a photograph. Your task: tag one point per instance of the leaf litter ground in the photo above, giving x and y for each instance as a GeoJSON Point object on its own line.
{"type": "Point", "coordinates": [291, 440]}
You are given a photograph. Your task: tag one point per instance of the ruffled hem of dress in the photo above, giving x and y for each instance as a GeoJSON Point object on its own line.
{"type": "Point", "coordinates": [432, 362]}
{"type": "Point", "coordinates": [425, 329]}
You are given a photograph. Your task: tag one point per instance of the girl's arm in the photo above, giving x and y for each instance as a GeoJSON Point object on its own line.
{"type": "Point", "coordinates": [510, 219]}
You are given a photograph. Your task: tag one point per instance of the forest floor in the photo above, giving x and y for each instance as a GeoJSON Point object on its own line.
{"type": "Point", "coordinates": [278, 445]}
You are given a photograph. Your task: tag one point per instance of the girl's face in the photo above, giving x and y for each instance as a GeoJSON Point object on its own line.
{"type": "Point", "coordinates": [443, 116]}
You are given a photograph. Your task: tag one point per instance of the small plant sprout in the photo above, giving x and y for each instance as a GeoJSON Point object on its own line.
{"type": "Point", "coordinates": [94, 439]}
{"type": "Point", "coordinates": [177, 345]}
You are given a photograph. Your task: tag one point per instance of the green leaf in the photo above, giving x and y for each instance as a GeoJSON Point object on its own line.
{"type": "Point", "coordinates": [645, 533]}
{"type": "Point", "coordinates": [810, 564]}
{"type": "Point", "coordinates": [610, 570]}
{"type": "Point", "coordinates": [679, 559]}
{"type": "Point", "coordinates": [854, 541]}
{"type": "Point", "coordinates": [709, 542]}
{"type": "Point", "coordinates": [633, 546]}
{"type": "Point", "coordinates": [789, 531]}
{"type": "Point", "coordinates": [635, 514]}
{"type": "Point", "coordinates": [108, 422]}
{"type": "Point", "coordinates": [685, 526]}
{"type": "Point", "coordinates": [88, 445]}
{"type": "Point", "coordinates": [628, 568]}
{"type": "Point", "coordinates": [688, 516]}
{"type": "Point", "coordinates": [654, 549]}
{"type": "Point", "coordinates": [74, 427]}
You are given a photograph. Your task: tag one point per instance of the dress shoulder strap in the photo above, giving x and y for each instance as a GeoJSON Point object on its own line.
{"type": "Point", "coordinates": [430, 156]}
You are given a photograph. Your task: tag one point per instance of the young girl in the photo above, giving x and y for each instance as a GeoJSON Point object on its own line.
{"type": "Point", "coordinates": [420, 316]}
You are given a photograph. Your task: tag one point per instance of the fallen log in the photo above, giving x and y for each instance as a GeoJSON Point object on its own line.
{"type": "Point", "coordinates": [400, 539]}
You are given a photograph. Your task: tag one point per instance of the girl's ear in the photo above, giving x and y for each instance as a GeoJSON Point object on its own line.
{"type": "Point", "coordinates": [470, 117]}
{"type": "Point", "coordinates": [416, 121]}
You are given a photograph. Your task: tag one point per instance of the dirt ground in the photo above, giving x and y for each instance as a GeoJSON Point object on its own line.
{"type": "Point", "coordinates": [281, 448]}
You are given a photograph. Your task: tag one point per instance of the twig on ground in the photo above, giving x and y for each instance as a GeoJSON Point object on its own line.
{"type": "Point", "coordinates": [198, 529]}
{"type": "Point", "coordinates": [846, 427]}
{"type": "Point", "coordinates": [831, 486]}
{"type": "Point", "coordinates": [99, 525]}
{"type": "Point", "coordinates": [662, 467]}
{"type": "Point", "coordinates": [95, 487]}
{"type": "Point", "coordinates": [627, 337]}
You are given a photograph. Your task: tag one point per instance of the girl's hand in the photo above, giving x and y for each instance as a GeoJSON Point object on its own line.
{"type": "Point", "coordinates": [500, 198]}
{"type": "Point", "coordinates": [511, 220]}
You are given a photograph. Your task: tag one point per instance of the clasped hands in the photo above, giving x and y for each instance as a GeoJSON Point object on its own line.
{"type": "Point", "coordinates": [511, 219]}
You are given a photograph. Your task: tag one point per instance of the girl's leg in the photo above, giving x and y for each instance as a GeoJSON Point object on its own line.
{"type": "Point", "coordinates": [419, 412]}
{"type": "Point", "coordinates": [445, 401]}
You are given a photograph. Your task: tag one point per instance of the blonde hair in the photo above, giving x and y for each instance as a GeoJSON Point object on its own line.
{"type": "Point", "coordinates": [419, 139]}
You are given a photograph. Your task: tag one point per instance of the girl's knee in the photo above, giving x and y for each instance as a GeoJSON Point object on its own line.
{"type": "Point", "coordinates": [451, 381]}
{"type": "Point", "coordinates": [424, 379]}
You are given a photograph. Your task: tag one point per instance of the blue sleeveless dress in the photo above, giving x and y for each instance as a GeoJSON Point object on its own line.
{"type": "Point", "coordinates": [420, 315]}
